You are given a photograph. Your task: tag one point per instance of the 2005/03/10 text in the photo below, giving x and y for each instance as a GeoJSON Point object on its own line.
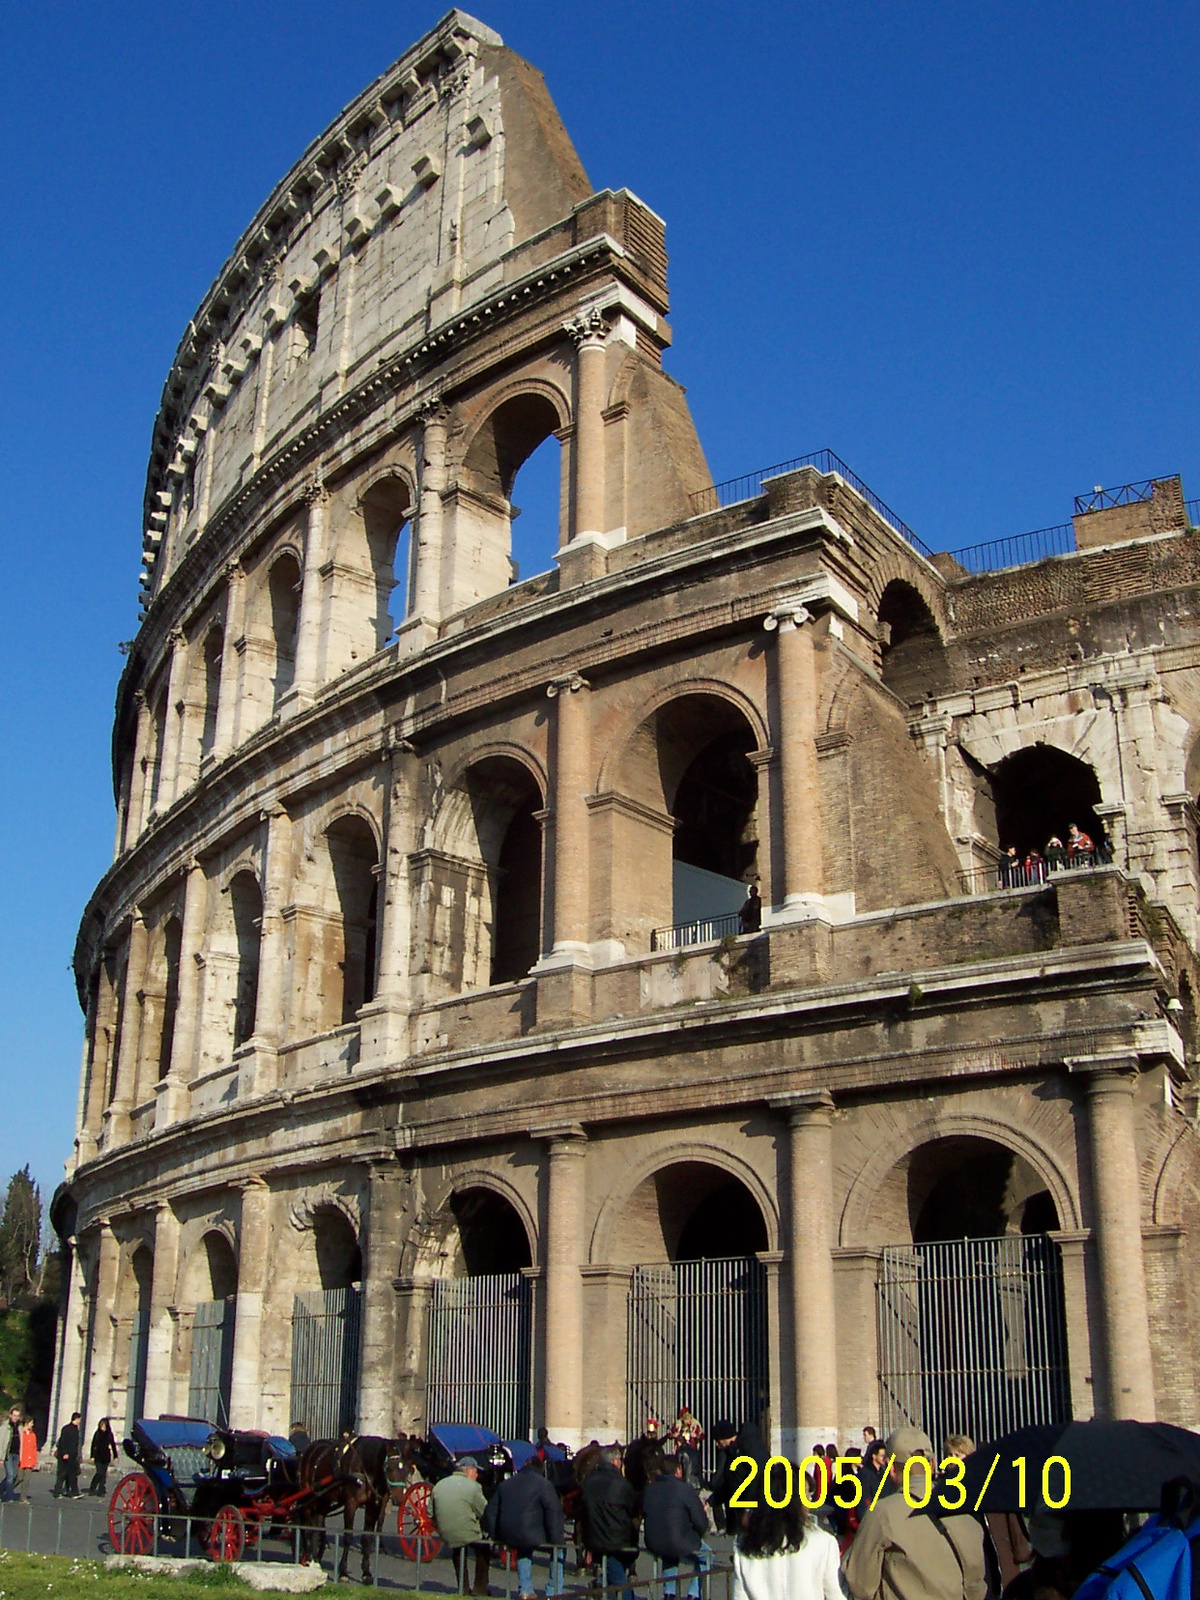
{"type": "Point", "coordinates": [917, 1483]}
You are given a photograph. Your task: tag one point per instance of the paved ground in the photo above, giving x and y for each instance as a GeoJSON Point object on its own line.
{"type": "Point", "coordinates": [80, 1528]}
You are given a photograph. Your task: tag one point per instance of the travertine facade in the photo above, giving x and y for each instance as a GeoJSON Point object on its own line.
{"type": "Point", "coordinates": [371, 989]}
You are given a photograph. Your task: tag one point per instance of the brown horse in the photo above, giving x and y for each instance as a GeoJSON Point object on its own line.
{"type": "Point", "coordinates": [344, 1474]}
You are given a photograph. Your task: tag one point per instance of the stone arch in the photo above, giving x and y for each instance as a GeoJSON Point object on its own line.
{"type": "Point", "coordinates": [1175, 1183]}
{"type": "Point", "coordinates": [211, 1269]}
{"type": "Point", "coordinates": [429, 1250]}
{"type": "Point", "coordinates": [331, 1254]}
{"type": "Point", "coordinates": [303, 1213]}
{"type": "Point", "coordinates": [497, 747]}
{"type": "Point", "coordinates": [246, 910]}
{"type": "Point", "coordinates": [486, 406]}
{"type": "Point", "coordinates": [373, 550]}
{"type": "Point", "coordinates": [621, 388]}
{"type": "Point", "coordinates": [212, 652]}
{"type": "Point", "coordinates": [483, 891]}
{"type": "Point", "coordinates": [895, 570]}
{"type": "Point", "coordinates": [913, 661]}
{"type": "Point", "coordinates": [859, 1223]}
{"type": "Point", "coordinates": [351, 943]}
{"type": "Point", "coordinates": [1039, 790]}
{"type": "Point", "coordinates": [682, 798]}
{"type": "Point", "coordinates": [283, 581]}
{"type": "Point", "coordinates": [681, 1153]}
{"type": "Point", "coordinates": [633, 720]}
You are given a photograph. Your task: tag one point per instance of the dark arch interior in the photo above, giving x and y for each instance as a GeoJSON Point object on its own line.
{"type": "Point", "coordinates": [354, 857]}
{"type": "Point", "coordinates": [246, 903]}
{"type": "Point", "coordinates": [222, 1266]}
{"type": "Point", "coordinates": [1039, 792]}
{"type": "Point", "coordinates": [172, 946]}
{"type": "Point", "coordinates": [971, 1188]}
{"type": "Point", "coordinates": [214, 644]}
{"type": "Point", "coordinates": [517, 922]}
{"type": "Point", "coordinates": [726, 1222]}
{"type": "Point", "coordinates": [714, 809]}
{"type": "Point", "coordinates": [142, 1267]}
{"type": "Point", "coordinates": [284, 587]}
{"type": "Point", "coordinates": [491, 1235]}
{"type": "Point", "coordinates": [385, 511]}
{"type": "Point", "coordinates": [507, 439]}
{"type": "Point", "coordinates": [339, 1258]}
{"type": "Point", "coordinates": [914, 662]}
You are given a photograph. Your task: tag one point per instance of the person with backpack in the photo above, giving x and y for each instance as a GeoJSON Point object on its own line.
{"type": "Point", "coordinates": [673, 1525]}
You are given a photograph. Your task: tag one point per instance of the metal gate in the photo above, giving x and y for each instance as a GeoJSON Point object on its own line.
{"type": "Point", "coordinates": [697, 1336]}
{"type": "Point", "coordinates": [972, 1336]}
{"type": "Point", "coordinates": [135, 1383]}
{"type": "Point", "coordinates": [325, 1353]}
{"type": "Point", "coordinates": [481, 1353]}
{"type": "Point", "coordinates": [212, 1360]}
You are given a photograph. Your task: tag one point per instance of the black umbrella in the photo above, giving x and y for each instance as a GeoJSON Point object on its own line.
{"type": "Point", "coordinates": [1114, 1466]}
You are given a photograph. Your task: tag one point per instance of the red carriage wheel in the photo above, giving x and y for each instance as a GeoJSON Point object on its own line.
{"type": "Point", "coordinates": [131, 1514]}
{"type": "Point", "coordinates": [227, 1535]}
{"type": "Point", "coordinates": [419, 1538]}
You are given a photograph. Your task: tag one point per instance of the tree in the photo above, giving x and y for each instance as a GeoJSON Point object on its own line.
{"type": "Point", "coordinates": [21, 1264]}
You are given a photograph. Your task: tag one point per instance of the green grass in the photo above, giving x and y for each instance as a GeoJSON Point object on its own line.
{"type": "Point", "coordinates": [24, 1577]}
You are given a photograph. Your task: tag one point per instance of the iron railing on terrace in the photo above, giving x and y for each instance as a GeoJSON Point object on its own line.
{"type": "Point", "coordinates": [1017, 550]}
{"type": "Point", "coordinates": [750, 485]}
{"type": "Point", "coordinates": [1126, 494]}
{"type": "Point", "coordinates": [704, 930]}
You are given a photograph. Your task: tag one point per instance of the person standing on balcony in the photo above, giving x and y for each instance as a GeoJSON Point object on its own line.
{"type": "Point", "coordinates": [1055, 854]}
{"type": "Point", "coordinates": [750, 913]}
{"type": "Point", "coordinates": [1080, 849]}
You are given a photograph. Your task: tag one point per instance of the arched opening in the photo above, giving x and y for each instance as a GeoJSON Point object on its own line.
{"type": "Point", "coordinates": [971, 1314]}
{"type": "Point", "coordinates": [245, 899]}
{"type": "Point", "coordinates": [1040, 792]}
{"type": "Point", "coordinates": [481, 1318]}
{"type": "Point", "coordinates": [214, 644]}
{"type": "Point", "coordinates": [339, 1258]}
{"type": "Point", "coordinates": [697, 1308]}
{"type": "Point", "coordinates": [385, 511]}
{"type": "Point", "coordinates": [483, 898]}
{"type": "Point", "coordinates": [354, 857]}
{"type": "Point", "coordinates": [141, 1274]}
{"type": "Point", "coordinates": [914, 662]}
{"type": "Point", "coordinates": [481, 501]}
{"type": "Point", "coordinates": [536, 510]}
{"type": "Point", "coordinates": [326, 1324]}
{"type": "Point", "coordinates": [688, 765]}
{"type": "Point", "coordinates": [283, 586]}
{"type": "Point", "coordinates": [213, 1279]}
{"type": "Point", "coordinates": [172, 943]}
{"type": "Point", "coordinates": [158, 737]}
{"type": "Point", "coordinates": [491, 1235]}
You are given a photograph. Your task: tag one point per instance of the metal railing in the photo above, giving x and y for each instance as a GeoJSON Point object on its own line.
{"type": "Point", "coordinates": [39, 1529]}
{"type": "Point", "coordinates": [1016, 875]}
{"type": "Point", "coordinates": [1125, 494]}
{"type": "Point", "coordinates": [1017, 550]}
{"type": "Point", "coordinates": [750, 485]}
{"type": "Point", "coordinates": [1191, 511]}
{"type": "Point", "coordinates": [704, 930]}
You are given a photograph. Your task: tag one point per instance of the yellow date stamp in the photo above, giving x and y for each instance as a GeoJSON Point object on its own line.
{"type": "Point", "coordinates": [782, 1482]}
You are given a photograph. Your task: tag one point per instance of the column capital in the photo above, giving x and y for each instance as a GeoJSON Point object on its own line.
{"type": "Point", "coordinates": [432, 409]}
{"type": "Point", "coordinates": [787, 615]}
{"type": "Point", "coordinates": [1106, 1074]}
{"type": "Point", "coordinates": [563, 1138]}
{"type": "Point", "coordinates": [805, 1106]}
{"type": "Point", "coordinates": [587, 328]}
{"type": "Point", "coordinates": [569, 683]}
{"type": "Point", "coordinates": [254, 1184]}
{"type": "Point", "coordinates": [315, 493]}
{"type": "Point", "coordinates": [235, 572]}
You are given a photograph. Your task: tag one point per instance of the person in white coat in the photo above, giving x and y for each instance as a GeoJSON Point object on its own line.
{"type": "Point", "coordinates": [783, 1555]}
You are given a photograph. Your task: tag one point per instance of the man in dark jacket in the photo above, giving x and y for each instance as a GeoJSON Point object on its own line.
{"type": "Point", "coordinates": [524, 1513]}
{"type": "Point", "coordinates": [674, 1525]}
{"type": "Point", "coordinates": [609, 1505]}
{"type": "Point", "coordinates": [725, 1482]}
{"type": "Point", "coordinates": [66, 1454]}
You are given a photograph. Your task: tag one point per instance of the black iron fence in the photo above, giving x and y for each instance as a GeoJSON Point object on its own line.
{"type": "Point", "coordinates": [1017, 550]}
{"type": "Point", "coordinates": [1126, 494]}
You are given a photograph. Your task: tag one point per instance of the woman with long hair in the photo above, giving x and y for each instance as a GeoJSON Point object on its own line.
{"type": "Point", "coordinates": [783, 1555]}
{"type": "Point", "coordinates": [104, 1452]}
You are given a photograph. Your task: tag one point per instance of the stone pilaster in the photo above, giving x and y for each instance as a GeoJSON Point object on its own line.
{"type": "Point", "coordinates": [810, 1247]}
{"type": "Point", "coordinates": [73, 1314]}
{"type": "Point", "coordinates": [160, 1346]}
{"type": "Point", "coordinates": [426, 602]}
{"type": "Point", "coordinates": [98, 1396]}
{"type": "Point", "coordinates": [172, 1090]}
{"type": "Point", "coordinates": [254, 1241]}
{"type": "Point", "coordinates": [312, 594]}
{"type": "Point", "coordinates": [135, 810]}
{"type": "Point", "coordinates": [563, 1404]}
{"type": "Point", "coordinates": [797, 685]}
{"type": "Point", "coordinates": [271, 1015]}
{"type": "Point", "coordinates": [384, 1021]}
{"type": "Point", "coordinates": [571, 855]}
{"type": "Point", "coordinates": [385, 1212]}
{"type": "Point", "coordinates": [235, 611]}
{"type": "Point", "coordinates": [168, 769]}
{"type": "Point", "coordinates": [1117, 1230]}
{"type": "Point", "coordinates": [589, 332]}
{"type": "Point", "coordinates": [117, 1113]}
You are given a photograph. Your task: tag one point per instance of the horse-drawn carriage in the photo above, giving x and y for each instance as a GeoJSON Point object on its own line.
{"type": "Point", "coordinates": [235, 1487]}
{"type": "Point", "coordinates": [424, 1461]}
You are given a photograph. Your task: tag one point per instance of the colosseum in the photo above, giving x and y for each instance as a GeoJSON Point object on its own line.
{"type": "Point", "coordinates": [440, 1065]}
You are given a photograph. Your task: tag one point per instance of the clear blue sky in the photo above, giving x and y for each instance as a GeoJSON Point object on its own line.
{"type": "Point", "coordinates": [956, 243]}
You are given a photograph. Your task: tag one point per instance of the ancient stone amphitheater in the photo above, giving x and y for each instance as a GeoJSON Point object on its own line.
{"type": "Point", "coordinates": [433, 1070]}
